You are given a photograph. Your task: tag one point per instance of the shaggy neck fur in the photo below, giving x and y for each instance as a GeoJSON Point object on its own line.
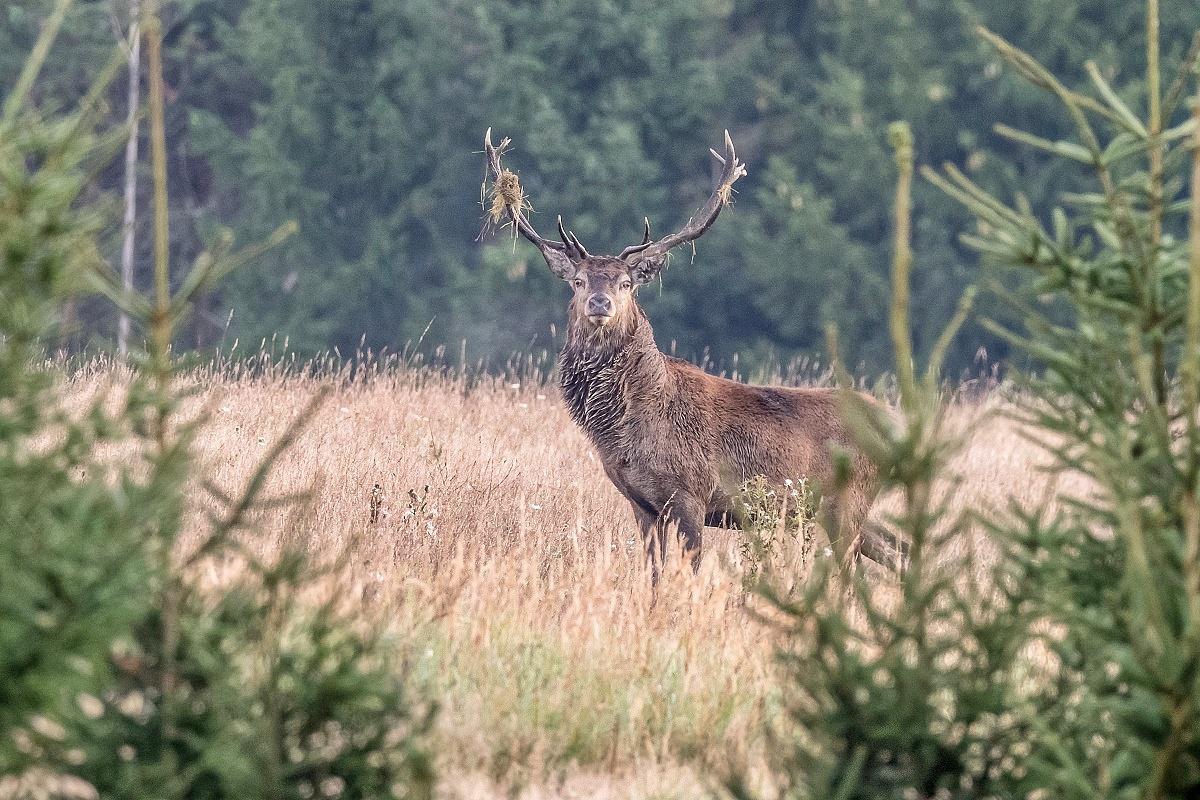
{"type": "Point", "coordinates": [601, 368]}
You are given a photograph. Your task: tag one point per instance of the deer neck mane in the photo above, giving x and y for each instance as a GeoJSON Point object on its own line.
{"type": "Point", "coordinates": [600, 370]}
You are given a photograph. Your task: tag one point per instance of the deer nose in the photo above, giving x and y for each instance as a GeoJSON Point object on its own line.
{"type": "Point", "coordinates": [599, 305]}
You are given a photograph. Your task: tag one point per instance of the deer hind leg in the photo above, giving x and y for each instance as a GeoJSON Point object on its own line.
{"type": "Point", "coordinates": [884, 549]}
{"type": "Point", "coordinates": [842, 517]}
{"type": "Point", "coordinates": [866, 539]}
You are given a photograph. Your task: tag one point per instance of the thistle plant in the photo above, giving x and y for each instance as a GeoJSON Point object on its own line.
{"type": "Point", "coordinates": [772, 522]}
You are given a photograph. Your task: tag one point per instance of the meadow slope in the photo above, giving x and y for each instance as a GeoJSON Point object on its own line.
{"type": "Point", "coordinates": [510, 570]}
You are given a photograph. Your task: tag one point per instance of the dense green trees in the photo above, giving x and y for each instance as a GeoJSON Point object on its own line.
{"type": "Point", "coordinates": [363, 120]}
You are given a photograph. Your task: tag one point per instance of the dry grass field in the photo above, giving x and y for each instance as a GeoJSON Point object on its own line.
{"type": "Point", "coordinates": [509, 569]}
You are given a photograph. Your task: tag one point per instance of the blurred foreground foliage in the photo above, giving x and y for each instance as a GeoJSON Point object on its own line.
{"type": "Point", "coordinates": [119, 677]}
{"type": "Point", "coordinates": [1069, 665]}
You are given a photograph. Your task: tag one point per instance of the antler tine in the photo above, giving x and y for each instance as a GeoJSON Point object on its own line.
{"type": "Point", "coordinates": [574, 248]}
{"type": "Point", "coordinates": [637, 248]}
{"type": "Point", "coordinates": [515, 213]}
{"type": "Point", "coordinates": [583, 253]}
{"type": "Point", "coordinates": [731, 170]}
{"type": "Point", "coordinates": [562, 233]}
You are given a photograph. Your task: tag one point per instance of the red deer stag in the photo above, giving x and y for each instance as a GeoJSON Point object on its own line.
{"type": "Point", "coordinates": [676, 441]}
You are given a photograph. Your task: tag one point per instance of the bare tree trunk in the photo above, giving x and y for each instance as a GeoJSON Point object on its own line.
{"type": "Point", "coordinates": [131, 157]}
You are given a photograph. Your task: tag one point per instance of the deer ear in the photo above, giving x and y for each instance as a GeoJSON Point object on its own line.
{"type": "Point", "coordinates": [560, 263]}
{"type": "Point", "coordinates": [647, 269]}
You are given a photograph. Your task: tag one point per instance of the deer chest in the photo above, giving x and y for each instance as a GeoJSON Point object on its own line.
{"type": "Point", "coordinates": [595, 397]}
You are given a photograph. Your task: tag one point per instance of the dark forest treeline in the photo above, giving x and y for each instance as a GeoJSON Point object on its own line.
{"type": "Point", "coordinates": [363, 121]}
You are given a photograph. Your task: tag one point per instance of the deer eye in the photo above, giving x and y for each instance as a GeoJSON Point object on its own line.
{"type": "Point", "coordinates": [626, 285]}
{"type": "Point", "coordinates": [578, 282]}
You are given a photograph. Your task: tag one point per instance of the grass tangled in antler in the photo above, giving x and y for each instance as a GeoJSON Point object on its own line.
{"type": "Point", "coordinates": [506, 193]}
{"type": "Point", "coordinates": [504, 197]}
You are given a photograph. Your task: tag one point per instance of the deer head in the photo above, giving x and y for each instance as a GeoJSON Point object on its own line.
{"type": "Point", "coordinates": [604, 286]}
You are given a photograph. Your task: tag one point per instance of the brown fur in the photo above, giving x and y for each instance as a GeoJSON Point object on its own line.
{"type": "Point", "coordinates": [676, 441]}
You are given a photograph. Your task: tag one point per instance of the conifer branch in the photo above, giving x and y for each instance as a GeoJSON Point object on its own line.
{"type": "Point", "coordinates": [900, 138]}
{"type": "Point", "coordinates": [33, 64]}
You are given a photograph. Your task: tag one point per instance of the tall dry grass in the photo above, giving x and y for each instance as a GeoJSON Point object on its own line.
{"type": "Point", "coordinates": [510, 569]}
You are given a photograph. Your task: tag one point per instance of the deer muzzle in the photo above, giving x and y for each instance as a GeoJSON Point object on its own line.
{"type": "Point", "coordinates": [599, 308]}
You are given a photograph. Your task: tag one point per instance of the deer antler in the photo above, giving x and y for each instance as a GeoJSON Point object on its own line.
{"type": "Point", "coordinates": [732, 169]}
{"type": "Point", "coordinates": [560, 256]}
{"type": "Point", "coordinates": [574, 249]}
{"type": "Point", "coordinates": [637, 248]}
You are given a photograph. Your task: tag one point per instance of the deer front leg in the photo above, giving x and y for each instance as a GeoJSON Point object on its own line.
{"type": "Point", "coordinates": [654, 539]}
{"type": "Point", "coordinates": [684, 514]}
{"type": "Point", "coordinates": [687, 514]}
